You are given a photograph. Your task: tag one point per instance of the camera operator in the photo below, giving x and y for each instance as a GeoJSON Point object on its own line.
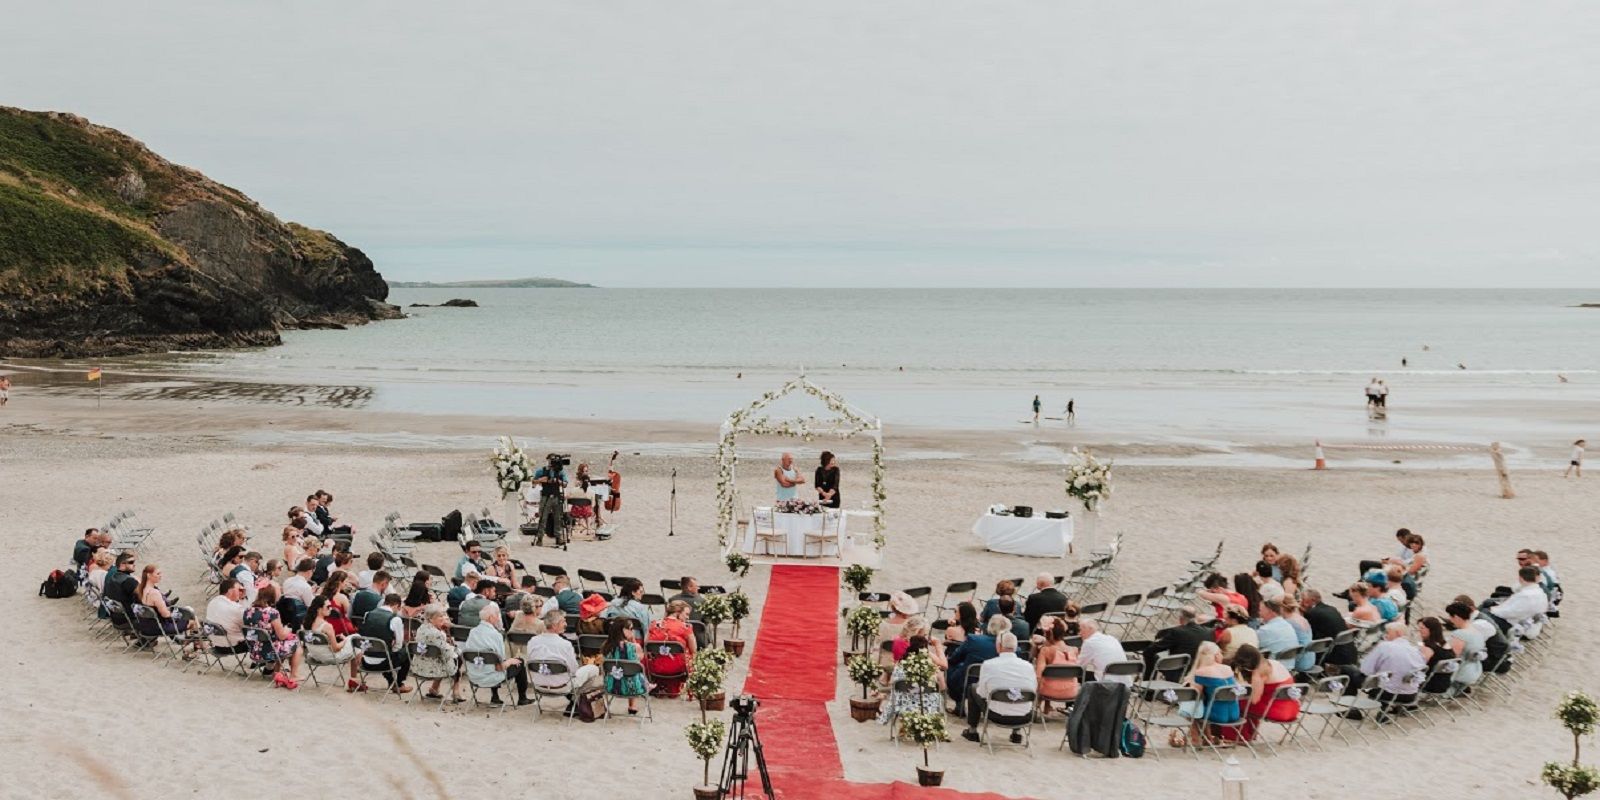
{"type": "Point", "coordinates": [551, 478]}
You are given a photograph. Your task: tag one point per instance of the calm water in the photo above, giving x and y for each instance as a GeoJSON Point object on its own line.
{"type": "Point", "coordinates": [1200, 365]}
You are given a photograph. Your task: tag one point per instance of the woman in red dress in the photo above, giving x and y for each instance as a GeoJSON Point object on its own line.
{"type": "Point", "coordinates": [1264, 677]}
{"type": "Point", "coordinates": [674, 627]}
{"type": "Point", "coordinates": [338, 603]}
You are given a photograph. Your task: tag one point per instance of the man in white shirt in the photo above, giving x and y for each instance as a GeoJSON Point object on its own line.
{"type": "Point", "coordinates": [1527, 602]}
{"type": "Point", "coordinates": [226, 611]}
{"type": "Point", "coordinates": [247, 576]}
{"type": "Point", "coordinates": [308, 513]}
{"type": "Point", "coordinates": [1099, 651]}
{"type": "Point", "coordinates": [486, 637]}
{"type": "Point", "coordinates": [1003, 673]}
{"type": "Point", "coordinates": [552, 646]}
{"type": "Point", "coordinates": [298, 586]}
{"type": "Point", "coordinates": [1400, 662]}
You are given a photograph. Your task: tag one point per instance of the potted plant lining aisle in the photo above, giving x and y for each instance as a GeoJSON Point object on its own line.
{"type": "Point", "coordinates": [864, 672]}
{"type": "Point", "coordinates": [707, 670]}
{"type": "Point", "coordinates": [927, 730]}
{"type": "Point", "coordinates": [862, 624]}
{"type": "Point", "coordinates": [705, 738]}
{"type": "Point", "coordinates": [738, 609]}
{"type": "Point", "coordinates": [856, 578]}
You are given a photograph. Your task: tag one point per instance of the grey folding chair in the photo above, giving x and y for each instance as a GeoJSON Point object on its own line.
{"type": "Point", "coordinates": [1168, 717]}
{"type": "Point", "coordinates": [1228, 694]}
{"type": "Point", "coordinates": [990, 718]}
{"type": "Point", "coordinates": [484, 658]}
{"type": "Point", "coordinates": [618, 670]}
{"type": "Point", "coordinates": [551, 670]}
{"type": "Point", "coordinates": [1299, 693]}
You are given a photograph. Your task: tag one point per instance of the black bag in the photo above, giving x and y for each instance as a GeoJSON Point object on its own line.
{"type": "Point", "coordinates": [60, 584]}
{"type": "Point", "coordinates": [429, 531]}
{"type": "Point", "coordinates": [450, 530]}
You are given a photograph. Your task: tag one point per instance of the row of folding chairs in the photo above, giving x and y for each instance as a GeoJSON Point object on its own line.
{"type": "Point", "coordinates": [128, 533]}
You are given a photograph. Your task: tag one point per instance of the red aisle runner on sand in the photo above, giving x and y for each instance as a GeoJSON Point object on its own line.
{"type": "Point", "coordinates": [793, 672]}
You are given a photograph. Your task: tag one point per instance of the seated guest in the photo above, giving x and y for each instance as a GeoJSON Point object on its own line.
{"type": "Point", "coordinates": [1400, 588]}
{"type": "Point", "coordinates": [385, 625]}
{"type": "Point", "coordinates": [553, 646]}
{"type": "Point", "coordinates": [1269, 556]}
{"type": "Point", "coordinates": [1290, 606]}
{"type": "Point", "coordinates": [1264, 677]}
{"type": "Point", "coordinates": [298, 586]}
{"type": "Point", "coordinates": [1497, 648]}
{"type": "Point", "coordinates": [371, 597]}
{"type": "Point", "coordinates": [1238, 633]}
{"type": "Point", "coordinates": [674, 627]}
{"type": "Point", "coordinates": [1326, 623]}
{"type": "Point", "coordinates": [902, 607]}
{"type": "Point", "coordinates": [151, 596]}
{"type": "Point", "coordinates": [1100, 650]}
{"type": "Point", "coordinates": [1276, 634]}
{"type": "Point", "coordinates": [486, 637]}
{"type": "Point", "coordinates": [688, 592]}
{"type": "Point", "coordinates": [329, 520]}
{"type": "Point", "coordinates": [226, 611]}
{"type": "Point", "coordinates": [333, 590]}
{"type": "Point", "coordinates": [963, 623]}
{"type": "Point", "coordinates": [1288, 571]}
{"type": "Point", "coordinates": [904, 702]}
{"type": "Point", "coordinates": [1208, 674]}
{"type": "Point", "coordinates": [1401, 664]}
{"type": "Point", "coordinates": [976, 648]}
{"type": "Point", "coordinates": [1046, 599]}
{"type": "Point", "coordinates": [1524, 605]}
{"type": "Point", "coordinates": [279, 648]}
{"type": "Point", "coordinates": [526, 620]}
{"type": "Point", "coordinates": [525, 588]}
{"type": "Point", "coordinates": [471, 561]}
{"type": "Point", "coordinates": [458, 594]}
{"type": "Point", "coordinates": [501, 569]}
{"type": "Point", "coordinates": [271, 573]}
{"type": "Point", "coordinates": [1244, 584]}
{"type": "Point", "coordinates": [374, 563]}
{"type": "Point", "coordinates": [992, 607]}
{"type": "Point", "coordinates": [1007, 607]}
{"type": "Point", "coordinates": [628, 604]}
{"type": "Point", "coordinates": [1378, 596]}
{"type": "Point", "coordinates": [1403, 553]}
{"type": "Point", "coordinates": [99, 566]}
{"type": "Point", "coordinates": [472, 608]}
{"type": "Point", "coordinates": [1467, 643]}
{"type": "Point", "coordinates": [1267, 586]}
{"type": "Point", "coordinates": [435, 632]}
{"type": "Point", "coordinates": [567, 599]}
{"type": "Point", "coordinates": [83, 550]}
{"type": "Point", "coordinates": [336, 650]}
{"type": "Point", "coordinates": [231, 538]}
{"type": "Point", "coordinates": [293, 551]}
{"type": "Point", "coordinates": [1183, 639]}
{"type": "Point", "coordinates": [1361, 608]}
{"type": "Point", "coordinates": [1214, 590]}
{"type": "Point", "coordinates": [1002, 673]}
{"type": "Point", "coordinates": [1436, 650]}
{"type": "Point", "coordinates": [120, 584]}
{"type": "Point", "coordinates": [324, 558]}
{"type": "Point", "coordinates": [418, 597]}
{"type": "Point", "coordinates": [1418, 560]}
{"type": "Point", "coordinates": [915, 627]}
{"type": "Point", "coordinates": [306, 516]}
{"type": "Point", "coordinates": [1053, 651]}
{"type": "Point", "coordinates": [622, 645]}
{"type": "Point", "coordinates": [232, 565]}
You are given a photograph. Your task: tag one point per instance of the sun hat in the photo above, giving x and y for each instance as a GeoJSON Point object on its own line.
{"type": "Point", "coordinates": [903, 603]}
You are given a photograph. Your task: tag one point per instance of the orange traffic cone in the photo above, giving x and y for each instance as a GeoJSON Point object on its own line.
{"type": "Point", "coordinates": [1322, 462]}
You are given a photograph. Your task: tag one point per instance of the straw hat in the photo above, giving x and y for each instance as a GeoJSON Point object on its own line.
{"type": "Point", "coordinates": [903, 603]}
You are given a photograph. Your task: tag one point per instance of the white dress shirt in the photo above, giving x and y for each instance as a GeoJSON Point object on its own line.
{"type": "Point", "coordinates": [1098, 652]}
{"type": "Point", "coordinates": [551, 647]}
{"type": "Point", "coordinates": [1528, 602]}
{"type": "Point", "coordinates": [313, 525]}
{"type": "Point", "coordinates": [300, 589]}
{"type": "Point", "coordinates": [1401, 660]}
{"type": "Point", "coordinates": [229, 616]}
{"type": "Point", "coordinates": [1006, 671]}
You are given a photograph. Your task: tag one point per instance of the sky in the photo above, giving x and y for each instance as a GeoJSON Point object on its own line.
{"type": "Point", "coordinates": [890, 143]}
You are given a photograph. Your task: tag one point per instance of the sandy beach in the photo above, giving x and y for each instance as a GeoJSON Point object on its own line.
{"type": "Point", "coordinates": [80, 707]}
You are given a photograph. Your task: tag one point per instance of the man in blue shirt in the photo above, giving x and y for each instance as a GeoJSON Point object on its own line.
{"type": "Point", "coordinates": [1276, 634]}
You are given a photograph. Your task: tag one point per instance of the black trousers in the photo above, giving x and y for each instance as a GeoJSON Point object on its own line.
{"type": "Point", "coordinates": [976, 706]}
{"type": "Point", "coordinates": [401, 664]}
{"type": "Point", "coordinates": [519, 676]}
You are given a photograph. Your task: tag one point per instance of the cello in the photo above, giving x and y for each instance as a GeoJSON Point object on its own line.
{"type": "Point", "coordinates": [614, 502]}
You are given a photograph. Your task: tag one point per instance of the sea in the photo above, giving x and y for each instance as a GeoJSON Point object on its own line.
{"type": "Point", "coordinates": [1204, 367]}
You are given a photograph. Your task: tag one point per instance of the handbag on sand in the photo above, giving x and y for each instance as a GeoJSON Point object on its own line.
{"type": "Point", "coordinates": [591, 706]}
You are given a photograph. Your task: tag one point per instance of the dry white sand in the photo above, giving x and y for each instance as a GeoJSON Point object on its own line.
{"type": "Point", "coordinates": [72, 703]}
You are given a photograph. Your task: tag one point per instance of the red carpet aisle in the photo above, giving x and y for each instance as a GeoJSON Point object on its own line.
{"type": "Point", "coordinates": [793, 673]}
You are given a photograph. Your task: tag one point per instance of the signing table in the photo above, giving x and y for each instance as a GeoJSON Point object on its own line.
{"type": "Point", "coordinates": [795, 527]}
{"type": "Point", "coordinates": [1024, 536]}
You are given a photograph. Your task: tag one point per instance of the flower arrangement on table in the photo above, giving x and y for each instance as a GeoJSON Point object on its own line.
{"type": "Point", "coordinates": [512, 467]}
{"type": "Point", "coordinates": [1088, 479]}
{"type": "Point", "coordinates": [797, 506]}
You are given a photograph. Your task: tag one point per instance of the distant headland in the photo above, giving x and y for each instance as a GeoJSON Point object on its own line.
{"type": "Point", "coordinates": [511, 283]}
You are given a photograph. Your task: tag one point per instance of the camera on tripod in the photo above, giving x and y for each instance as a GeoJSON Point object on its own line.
{"type": "Point", "coordinates": [557, 460]}
{"type": "Point", "coordinates": [744, 705]}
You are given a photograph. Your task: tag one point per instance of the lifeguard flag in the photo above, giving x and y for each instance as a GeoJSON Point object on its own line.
{"type": "Point", "coordinates": [94, 374]}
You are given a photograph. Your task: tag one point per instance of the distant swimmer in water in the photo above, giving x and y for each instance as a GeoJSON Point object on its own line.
{"type": "Point", "coordinates": [1072, 411]}
{"type": "Point", "coordinates": [1561, 377]}
{"type": "Point", "coordinates": [1460, 365]}
{"type": "Point", "coordinates": [1404, 362]}
{"type": "Point", "coordinates": [739, 377]}
{"type": "Point", "coordinates": [1424, 348]}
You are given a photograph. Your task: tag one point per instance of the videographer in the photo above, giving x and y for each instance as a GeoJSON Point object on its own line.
{"type": "Point", "coordinates": [551, 478]}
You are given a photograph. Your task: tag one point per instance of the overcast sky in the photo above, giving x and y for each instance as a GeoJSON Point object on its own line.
{"type": "Point", "coordinates": [878, 144]}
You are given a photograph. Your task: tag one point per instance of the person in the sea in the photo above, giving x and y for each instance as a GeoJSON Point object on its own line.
{"type": "Point", "coordinates": [1036, 409]}
{"type": "Point", "coordinates": [1072, 412]}
{"type": "Point", "coordinates": [787, 477]}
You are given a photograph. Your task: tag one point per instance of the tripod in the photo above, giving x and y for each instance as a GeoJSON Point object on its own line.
{"type": "Point", "coordinates": [736, 762]}
{"type": "Point", "coordinates": [672, 505]}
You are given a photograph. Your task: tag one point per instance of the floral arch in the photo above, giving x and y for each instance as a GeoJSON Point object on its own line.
{"type": "Point", "coordinates": [848, 423]}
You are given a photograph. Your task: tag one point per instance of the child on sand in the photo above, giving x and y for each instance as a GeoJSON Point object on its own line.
{"type": "Point", "coordinates": [1576, 462]}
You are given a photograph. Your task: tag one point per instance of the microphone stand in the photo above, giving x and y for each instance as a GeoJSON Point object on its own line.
{"type": "Point", "coordinates": [672, 505]}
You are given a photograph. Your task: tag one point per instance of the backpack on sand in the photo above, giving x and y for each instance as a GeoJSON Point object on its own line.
{"type": "Point", "coordinates": [60, 584]}
{"type": "Point", "coordinates": [1132, 740]}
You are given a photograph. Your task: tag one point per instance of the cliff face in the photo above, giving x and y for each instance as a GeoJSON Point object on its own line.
{"type": "Point", "coordinates": [106, 248]}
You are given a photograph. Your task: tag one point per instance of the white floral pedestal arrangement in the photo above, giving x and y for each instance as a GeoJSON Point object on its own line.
{"type": "Point", "coordinates": [513, 471]}
{"type": "Point", "coordinates": [1088, 482]}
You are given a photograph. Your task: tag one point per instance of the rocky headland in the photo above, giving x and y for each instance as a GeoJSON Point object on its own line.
{"type": "Point", "coordinates": [107, 249]}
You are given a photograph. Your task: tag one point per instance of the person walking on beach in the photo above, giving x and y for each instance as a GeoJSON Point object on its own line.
{"type": "Point", "coordinates": [1372, 394]}
{"type": "Point", "coordinates": [1576, 462]}
{"type": "Point", "coordinates": [1072, 414]}
{"type": "Point", "coordinates": [1383, 395]}
{"type": "Point", "coordinates": [1036, 409]}
{"type": "Point", "coordinates": [5, 390]}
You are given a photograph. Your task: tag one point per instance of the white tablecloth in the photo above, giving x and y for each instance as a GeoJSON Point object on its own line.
{"type": "Point", "coordinates": [1024, 536]}
{"type": "Point", "coordinates": [796, 526]}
